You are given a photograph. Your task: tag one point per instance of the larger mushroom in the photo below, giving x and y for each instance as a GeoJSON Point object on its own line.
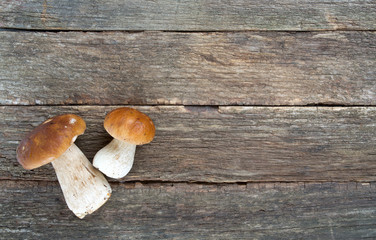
{"type": "Point", "coordinates": [85, 189]}
{"type": "Point", "coordinates": [129, 128]}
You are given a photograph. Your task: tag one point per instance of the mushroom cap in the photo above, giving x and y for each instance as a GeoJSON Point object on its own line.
{"type": "Point", "coordinates": [49, 140]}
{"type": "Point", "coordinates": [130, 125]}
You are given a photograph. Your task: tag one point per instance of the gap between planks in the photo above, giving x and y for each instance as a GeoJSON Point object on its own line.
{"type": "Point", "coordinates": [310, 105]}
{"type": "Point", "coordinates": [197, 183]}
{"type": "Point", "coordinates": [181, 31]}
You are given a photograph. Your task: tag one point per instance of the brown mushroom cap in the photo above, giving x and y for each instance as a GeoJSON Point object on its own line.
{"type": "Point", "coordinates": [49, 140]}
{"type": "Point", "coordinates": [130, 125]}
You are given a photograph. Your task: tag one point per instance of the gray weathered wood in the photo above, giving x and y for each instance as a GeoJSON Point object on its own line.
{"type": "Point", "coordinates": [36, 210]}
{"type": "Point", "coordinates": [189, 15]}
{"type": "Point", "coordinates": [225, 144]}
{"type": "Point", "coordinates": [244, 68]}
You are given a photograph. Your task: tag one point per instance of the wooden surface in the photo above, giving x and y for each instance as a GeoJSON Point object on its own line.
{"type": "Point", "coordinates": [195, 211]}
{"type": "Point", "coordinates": [265, 114]}
{"type": "Point", "coordinates": [242, 68]}
{"type": "Point", "coordinates": [189, 15]}
{"type": "Point", "coordinates": [225, 144]}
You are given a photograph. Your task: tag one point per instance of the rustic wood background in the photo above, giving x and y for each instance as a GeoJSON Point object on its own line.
{"type": "Point", "coordinates": [265, 114]}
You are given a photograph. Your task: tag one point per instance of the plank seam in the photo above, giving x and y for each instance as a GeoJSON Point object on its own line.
{"type": "Point", "coordinates": [241, 183]}
{"type": "Point", "coordinates": [182, 105]}
{"type": "Point", "coordinates": [11, 29]}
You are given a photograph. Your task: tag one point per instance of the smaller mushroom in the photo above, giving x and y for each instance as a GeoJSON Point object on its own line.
{"type": "Point", "coordinates": [85, 189]}
{"type": "Point", "coordinates": [129, 128]}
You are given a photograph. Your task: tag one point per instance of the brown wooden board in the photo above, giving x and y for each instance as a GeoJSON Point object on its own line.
{"type": "Point", "coordinates": [243, 68]}
{"type": "Point", "coordinates": [189, 15]}
{"type": "Point", "coordinates": [37, 210]}
{"type": "Point", "coordinates": [225, 144]}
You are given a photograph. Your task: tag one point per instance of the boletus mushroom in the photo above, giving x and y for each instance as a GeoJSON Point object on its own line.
{"type": "Point", "coordinates": [129, 128]}
{"type": "Point", "coordinates": [85, 189]}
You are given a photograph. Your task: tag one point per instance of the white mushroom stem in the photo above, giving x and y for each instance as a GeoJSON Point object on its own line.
{"type": "Point", "coordinates": [116, 159]}
{"type": "Point", "coordinates": [85, 189]}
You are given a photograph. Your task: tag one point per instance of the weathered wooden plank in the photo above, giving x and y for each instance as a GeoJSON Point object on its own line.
{"type": "Point", "coordinates": [225, 144]}
{"type": "Point", "coordinates": [189, 15]}
{"type": "Point", "coordinates": [243, 68]}
{"type": "Point", "coordinates": [32, 210]}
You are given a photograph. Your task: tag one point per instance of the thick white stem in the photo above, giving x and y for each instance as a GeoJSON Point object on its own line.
{"type": "Point", "coordinates": [85, 189]}
{"type": "Point", "coordinates": [116, 159]}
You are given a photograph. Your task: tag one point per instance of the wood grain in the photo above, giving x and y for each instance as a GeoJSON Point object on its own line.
{"type": "Point", "coordinates": [189, 15]}
{"type": "Point", "coordinates": [36, 210]}
{"type": "Point", "coordinates": [225, 144]}
{"type": "Point", "coordinates": [243, 68]}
